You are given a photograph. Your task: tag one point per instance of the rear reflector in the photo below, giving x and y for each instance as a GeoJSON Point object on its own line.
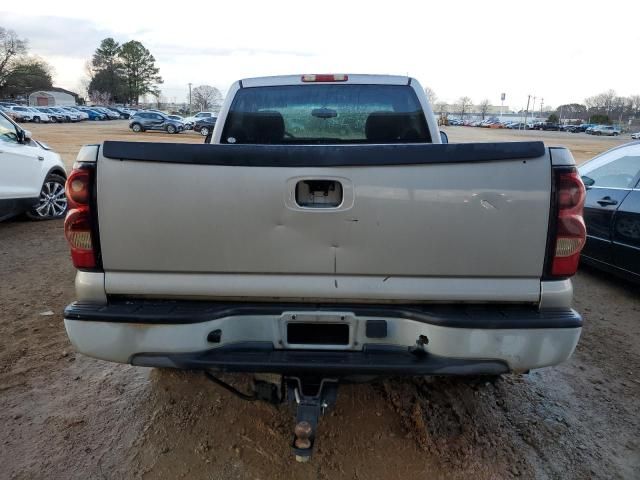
{"type": "Point", "coordinates": [571, 232]}
{"type": "Point", "coordinates": [324, 78]}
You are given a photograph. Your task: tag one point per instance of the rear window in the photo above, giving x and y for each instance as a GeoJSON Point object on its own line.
{"type": "Point", "coordinates": [326, 114]}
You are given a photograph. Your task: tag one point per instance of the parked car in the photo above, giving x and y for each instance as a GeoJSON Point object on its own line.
{"type": "Point", "coordinates": [54, 115]}
{"type": "Point", "coordinates": [205, 125]}
{"type": "Point", "coordinates": [636, 136]}
{"type": "Point", "coordinates": [290, 243]}
{"type": "Point", "coordinates": [32, 176]}
{"type": "Point", "coordinates": [39, 116]}
{"type": "Point", "coordinates": [122, 113]}
{"type": "Point", "coordinates": [67, 115]}
{"type": "Point", "coordinates": [608, 130]}
{"type": "Point", "coordinates": [581, 128]}
{"type": "Point", "coordinates": [143, 121]}
{"type": "Point", "coordinates": [612, 210]}
{"type": "Point", "coordinates": [199, 116]}
{"type": "Point", "coordinates": [8, 112]}
{"type": "Point", "coordinates": [22, 113]}
{"type": "Point", "coordinates": [109, 114]}
{"type": "Point", "coordinates": [178, 118]}
{"type": "Point", "coordinates": [93, 114]}
{"type": "Point", "coordinates": [549, 126]}
{"type": "Point", "coordinates": [80, 113]}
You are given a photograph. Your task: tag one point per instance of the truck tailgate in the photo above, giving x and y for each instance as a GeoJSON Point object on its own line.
{"type": "Point", "coordinates": [436, 217]}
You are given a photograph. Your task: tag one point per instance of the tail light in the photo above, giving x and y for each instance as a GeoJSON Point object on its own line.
{"type": "Point", "coordinates": [78, 225]}
{"type": "Point", "coordinates": [570, 230]}
{"type": "Point", "coordinates": [324, 78]}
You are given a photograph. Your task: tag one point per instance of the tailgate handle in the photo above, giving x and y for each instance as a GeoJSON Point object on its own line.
{"type": "Point", "coordinates": [319, 193]}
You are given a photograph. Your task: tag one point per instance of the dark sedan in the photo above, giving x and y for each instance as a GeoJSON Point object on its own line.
{"type": "Point", "coordinates": [143, 121]}
{"type": "Point", "coordinates": [612, 211]}
{"type": "Point", "coordinates": [205, 125]}
{"type": "Point", "coordinates": [549, 126]}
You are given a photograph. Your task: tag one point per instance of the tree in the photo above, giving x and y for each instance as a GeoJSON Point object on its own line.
{"type": "Point", "coordinates": [106, 56]}
{"type": "Point", "coordinates": [206, 97]}
{"type": "Point", "coordinates": [107, 82]}
{"type": "Point", "coordinates": [12, 49]}
{"type": "Point", "coordinates": [100, 98]}
{"type": "Point", "coordinates": [105, 71]}
{"type": "Point", "coordinates": [141, 76]}
{"type": "Point", "coordinates": [26, 76]}
{"type": "Point", "coordinates": [441, 107]}
{"type": "Point", "coordinates": [431, 95]}
{"type": "Point", "coordinates": [572, 111]}
{"type": "Point", "coordinates": [484, 107]}
{"type": "Point", "coordinates": [553, 118]}
{"type": "Point", "coordinates": [464, 103]}
{"type": "Point", "coordinates": [601, 103]}
{"type": "Point", "coordinates": [634, 100]}
{"type": "Point", "coordinates": [600, 119]}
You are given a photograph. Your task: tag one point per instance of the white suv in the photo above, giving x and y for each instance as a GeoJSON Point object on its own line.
{"type": "Point", "coordinates": [199, 116]}
{"type": "Point", "coordinates": [39, 116]}
{"type": "Point", "coordinates": [32, 176]}
{"type": "Point", "coordinates": [23, 114]}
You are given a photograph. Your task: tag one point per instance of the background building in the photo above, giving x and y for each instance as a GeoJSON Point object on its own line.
{"type": "Point", "coordinates": [54, 97]}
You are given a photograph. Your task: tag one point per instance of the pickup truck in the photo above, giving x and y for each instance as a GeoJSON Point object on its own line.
{"type": "Point", "coordinates": [328, 232]}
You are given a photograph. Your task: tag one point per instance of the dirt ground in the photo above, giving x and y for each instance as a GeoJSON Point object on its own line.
{"type": "Point", "coordinates": [66, 416]}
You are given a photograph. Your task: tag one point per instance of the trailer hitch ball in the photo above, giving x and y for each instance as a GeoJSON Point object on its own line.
{"type": "Point", "coordinates": [303, 431]}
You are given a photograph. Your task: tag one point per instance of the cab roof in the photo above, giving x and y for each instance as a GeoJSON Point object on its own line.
{"type": "Point", "coordinates": [352, 79]}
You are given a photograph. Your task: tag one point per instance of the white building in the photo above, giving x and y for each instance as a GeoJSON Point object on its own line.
{"type": "Point", "coordinates": [51, 99]}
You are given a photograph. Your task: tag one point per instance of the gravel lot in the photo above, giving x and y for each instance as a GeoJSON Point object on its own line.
{"type": "Point", "coordinates": [66, 416]}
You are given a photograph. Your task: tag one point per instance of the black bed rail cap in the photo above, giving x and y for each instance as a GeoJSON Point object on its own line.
{"type": "Point", "coordinates": [320, 155]}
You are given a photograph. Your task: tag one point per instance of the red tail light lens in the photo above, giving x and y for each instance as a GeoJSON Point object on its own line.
{"type": "Point", "coordinates": [324, 78]}
{"type": "Point", "coordinates": [77, 229]}
{"type": "Point", "coordinates": [77, 187]}
{"type": "Point", "coordinates": [78, 223]}
{"type": "Point", "coordinates": [571, 232]}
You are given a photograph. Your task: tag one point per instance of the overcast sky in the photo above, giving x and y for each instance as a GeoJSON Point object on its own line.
{"type": "Point", "coordinates": [560, 50]}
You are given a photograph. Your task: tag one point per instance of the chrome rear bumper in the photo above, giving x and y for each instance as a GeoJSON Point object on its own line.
{"type": "Point", "coordinates": [254, 337]}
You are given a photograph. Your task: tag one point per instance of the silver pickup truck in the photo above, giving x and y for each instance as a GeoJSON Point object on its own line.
{"type": "Point", "coordinates": [327, 232]}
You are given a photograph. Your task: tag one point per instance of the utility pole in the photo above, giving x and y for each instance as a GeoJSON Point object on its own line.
{"type": "Point", "coordinates": [533, 110]}
{"type": "Point", "coordinates": [190, 98]}
{"type": "Point", "coordinates": [526, 112]}
{"type": "Point", "coordinates": [541, 104]}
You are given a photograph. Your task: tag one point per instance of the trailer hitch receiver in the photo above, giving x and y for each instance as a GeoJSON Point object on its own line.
{"type": "Point", "coordinates": [312, 399]}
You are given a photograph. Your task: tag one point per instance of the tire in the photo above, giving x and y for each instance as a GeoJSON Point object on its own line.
{"type": "Point", "coordinates": [204, 131]}
{"type": "Point", "coordinates": [53, 203]}
{"type": "Point", "coordinates": [137, 128]}
{"type": "Point", "coordinates": [171, 129]}
{"type": "Point", "coordinates": [36, 119]}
